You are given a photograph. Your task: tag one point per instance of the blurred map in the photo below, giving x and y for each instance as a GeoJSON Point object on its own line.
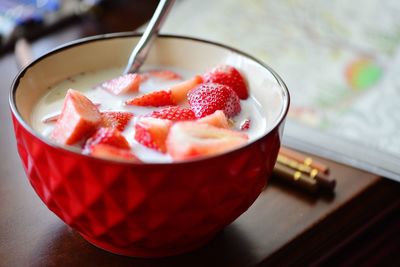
{"type": "Point", "coordinates": [340, 60]}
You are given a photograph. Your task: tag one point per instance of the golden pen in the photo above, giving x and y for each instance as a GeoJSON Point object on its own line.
{"type": "Point", "coordinates": [306, 160]}
{"type": "Point", "coordinates": [323, 180]}
{"type": "Point", "coordinates": [295, 177]}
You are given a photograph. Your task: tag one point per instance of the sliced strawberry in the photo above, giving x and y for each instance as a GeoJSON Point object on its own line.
{"type": "Point", "coordinates": [230, 76]}
{"type": "Point", "coordinates": [127, 83]}
{"type": "Point", "coordinates": [153, 99]}
{"type": "Point", "coordinates": [152, 132]}
{"type": "Point", "coordinates": [168, 97]}
{"type": "Point", "coordinates": [112, 152]}
{"type": "Point", "coordinates": [174, 113]}
{"type": "Point", "coordinates": [217, 119]}
{"type": "Point", "coordinates": [210, 97]}
{"type": "Point", "coordinates": [107, 136]}
{"type": "Point", "coordinates": [163, 74]}
{"type": "Point", "coordinates": [245, 125]}
{"type": "Point", "coordinates": [179, 91]}
{"type": "Point", "coordinates": [115, 119]}
{"type": "Point", "coordinates": [78, 119]}
{"type": "Point", "coordinates": [187, 140]}
{"type": "Point", "coordinates": [54, 117]}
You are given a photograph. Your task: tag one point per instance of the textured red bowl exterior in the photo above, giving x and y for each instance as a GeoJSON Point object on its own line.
{"type": "Point", "coordinates": [147, 210]}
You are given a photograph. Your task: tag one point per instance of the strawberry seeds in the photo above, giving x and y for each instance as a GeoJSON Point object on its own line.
{"type": "Point", "coordinates": [184, 120]}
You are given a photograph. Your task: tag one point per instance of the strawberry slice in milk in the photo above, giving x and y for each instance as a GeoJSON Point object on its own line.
{"type": "Point", "coordinates": [155, 116]}
{"type": "Point", "coordinates": [162, 74]}
{"type": "Point", "coordinates": [79, 118]}
{"type": "Point", "coordinates": [127, 83]}
{"type": "Point", "coordinates": [107, 136]}
{"type": "Point", "coordinates": [113, 153]}
{"type": "Point", "coordinates": [115, 119]}
{"type": "Point", "coordinates": [152, 132]}
{"type": "Point", "coordinates": [188, 140]}
{"type": "Point", "coordinates": [170, 96]}
{"type": "Point", "coordinates": [230, 76]}
{"type": "Point", "coordinates": [217, 119]}
{"type": "Point", "coordinates": [174, 113]}
{"type": "Point", "coordinates": [210, 97]}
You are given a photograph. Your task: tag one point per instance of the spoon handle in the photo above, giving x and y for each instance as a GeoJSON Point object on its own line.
{"type": "Point", "coordinates": [142, 48]}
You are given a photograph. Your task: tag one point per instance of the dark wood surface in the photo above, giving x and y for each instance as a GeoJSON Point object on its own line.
{"type": "Point", "coordinates": [285, 226]}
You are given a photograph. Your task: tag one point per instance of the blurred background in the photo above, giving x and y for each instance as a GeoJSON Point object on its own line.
{"type": "Point", "coordinates": [340, 59]}
{"type": "Point", "coordinates": [33, 19]}
{"type": "Point", "coordinates": [341, 62]}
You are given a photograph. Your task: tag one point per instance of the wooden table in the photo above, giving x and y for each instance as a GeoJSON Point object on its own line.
{"type": "Point", "coordinates": [285, 226]}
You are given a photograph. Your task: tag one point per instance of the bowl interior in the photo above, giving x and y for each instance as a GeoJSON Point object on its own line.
{"type": "Point", "coordinates": [180, 52]}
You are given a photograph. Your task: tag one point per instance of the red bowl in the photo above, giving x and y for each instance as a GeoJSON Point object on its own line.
{"type": "Point", "coordinates": [149, 209]}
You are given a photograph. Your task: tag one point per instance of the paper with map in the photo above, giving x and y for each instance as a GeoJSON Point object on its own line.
{"type": "Point", "coordinates": [340, 60]}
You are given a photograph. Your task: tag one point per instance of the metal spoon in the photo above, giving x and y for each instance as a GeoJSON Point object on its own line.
{"type": "Point", "coordinates": [142, 48]}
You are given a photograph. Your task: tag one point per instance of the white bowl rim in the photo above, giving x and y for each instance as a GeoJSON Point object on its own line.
{"type": "Point", "coordinates": [108, 36]}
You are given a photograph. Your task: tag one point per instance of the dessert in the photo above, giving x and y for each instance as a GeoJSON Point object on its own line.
{"type": "Point", "coordinates": [132, 208]}
{"type": "Point", "coordinates": [154, 116]}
